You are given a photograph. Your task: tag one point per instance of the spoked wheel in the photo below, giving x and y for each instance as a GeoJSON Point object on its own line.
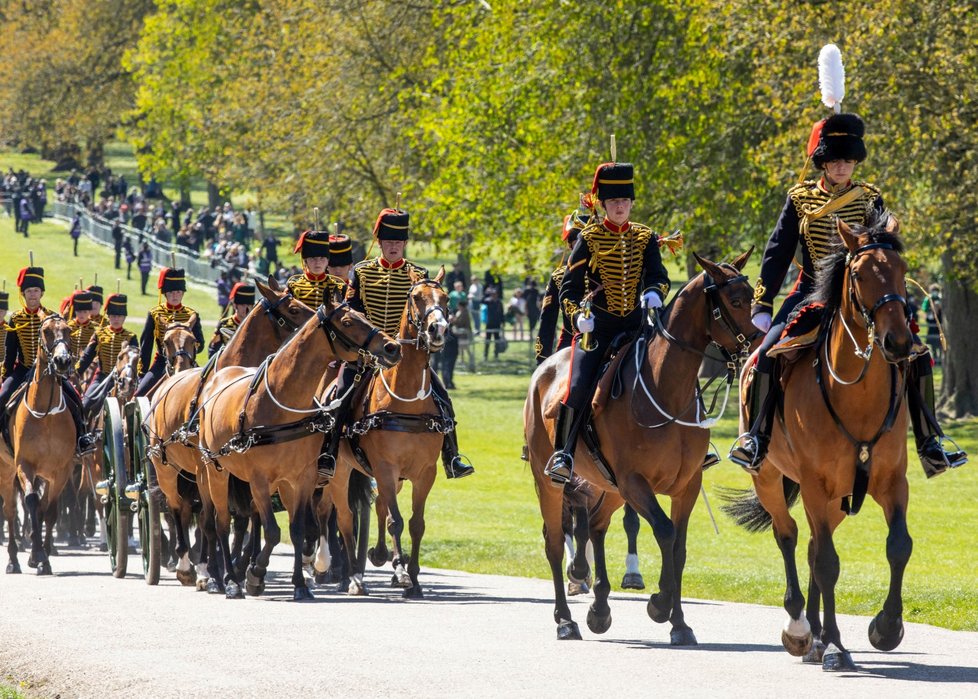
{"type": "Point", "coordinates": [148, 504]}
{"type": "Point", "coordinates": [116, 505]}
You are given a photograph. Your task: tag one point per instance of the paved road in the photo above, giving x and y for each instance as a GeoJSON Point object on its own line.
{"type": "Point", "coordinates": [84, 633]}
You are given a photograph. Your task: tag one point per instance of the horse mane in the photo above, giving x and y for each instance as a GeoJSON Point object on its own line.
{"type": "Point", "coordinates": [830, 270]}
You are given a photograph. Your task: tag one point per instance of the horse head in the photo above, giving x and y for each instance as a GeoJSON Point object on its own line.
{"type": "Point", "coordinates": [286, 313]}
{"type": "Point", "coordinates": [873, 287]}
{"type": "Point", "coordinates": [126, 372]}
{"type": "Point", "coordinates": [55, 345]}
{"type": "Point", "coordinates": [426, 312]}
{"type": "Point", "coordinates": [350, 334]}
{"type": "Point", "coordinates": [180, 346]}
{"type": "Point", "coordinates": [729, 297]}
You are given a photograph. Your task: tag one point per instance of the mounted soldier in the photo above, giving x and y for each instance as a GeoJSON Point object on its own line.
{"type": "Point", "coordinates": [104, 348]}
{"type": "Point", "coordinates": [172, 284]}
{"type": "Point", "coordinates": [98, 294]}
{"type": "Point", "coordinates": [79, 313]}
{"type": "Point", "coordinates": [806, 231]}
{"type": "Point", "coordinates": [339, 265]}
{"type": "Point", "coordinates": [242, 300]}
{"type": "Point", "coordinates": [380, 290]}
{"type": "Point", "coordinates": [550, 307]}
{"type": "Point", "coordinates": [21, 346]}
{"type": "Point", "coordinates": [614, 276]}
{"type": "Point", "coordinates": [4, 307]}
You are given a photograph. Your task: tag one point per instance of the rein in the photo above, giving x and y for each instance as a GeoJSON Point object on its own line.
{"type": "Point", "coordinates": [50, 370]}
{"type": "Point", "coordinates": [416, 321]}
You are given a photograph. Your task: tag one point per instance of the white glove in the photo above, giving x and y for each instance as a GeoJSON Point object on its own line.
{"type": "Point", "coordinates": [651, 299]}
{"type": "Point", "coordinates": [585, 324]}
{"type": "Point", "coordinates": [762, 321]}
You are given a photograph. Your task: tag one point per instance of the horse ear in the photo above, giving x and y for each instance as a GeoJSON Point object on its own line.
{"type": "Point", "coordinates": [263, 288]}
{"type": "Point", "coordinates": [742, 260]}
{"type": "Point", "coordinates": [709, 267]}
{"type": "Point", "coordinates": [273, 283]}
{"type": "Point", "coordinates": [441, 275]}
{"type": "Point", "coordinates": [892, 225]}
{"type": "Point", "coordinates": [848, 237]}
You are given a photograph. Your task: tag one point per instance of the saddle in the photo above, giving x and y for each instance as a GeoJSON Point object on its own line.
{"type": "Point", "coordinates": [801, 332]}
{"type": "Point", "coordinates": [608, 382]}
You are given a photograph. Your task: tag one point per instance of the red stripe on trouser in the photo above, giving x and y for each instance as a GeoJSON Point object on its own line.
{"type": "Point", "coordinates": [570, 369]}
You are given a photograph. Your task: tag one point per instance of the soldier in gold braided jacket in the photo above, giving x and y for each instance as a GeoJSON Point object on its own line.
{"type": "Point", "coordinates": [172, 284]}
{"type": "Point", "coordinates": [82, 328]}
{"type": "Point", "coordinates": [4, 307]}
{"type": "Point", "coordinates": [105, 346]}
{"type": "Point", "coordinates": [807, 224]}
{"type": "Point", "coordinates": [617, 263]}
{"type": "Point", "coordinates": [380, 290]}
{"type": "Point", "coordinates": [21, 346]}
{"type": "Point", "coordinates": [550, 308]}
{"type": "Point", "coordinates": [98, 295]}
{"type": "Point", "coordinates": [242, 300]}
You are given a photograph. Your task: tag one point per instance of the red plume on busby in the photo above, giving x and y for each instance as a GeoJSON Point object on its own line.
{"type": "Point", "coordinates": [613, 181]}
{"type": "Point", "coordinates": [31, 277]}
{"type": "Point", "coordinates": [313, 244]}
{"type": "Point", "coordinates": [172, 279]}
{"type": "Point", "coordinates": [391, 224]}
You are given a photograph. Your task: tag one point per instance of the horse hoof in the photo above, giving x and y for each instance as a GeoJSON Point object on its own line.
{"type": "Point", "coordinates": [567, 631]}
{"type": "Point", "coordinates": [233, 591]}
{"type": "Point", "coordinates": [13, 568]}
{"type": "Point", "coordinates": [213, 587]}
{"type": "Point", "coordinates": [885, 634]}
{"type": "Point", "coordinates": [187, 578]}
{"type": "Point", "coordinates": [44, 568]}
{"type": "Point", "coordinates": [171, 566]}
{"type": "Point", "coordinates": [53, 551]}
{"type": "Point", "coordinates": [356, 589]}
{"type": "Point", "coordinates": [815, 653]}
{"type": "Point", "coordinates": [596, 622]}
{"type": "Point", "coordinates": [632, 581]}
{"type": "Point", "coordinates": [413, 592]}
{"type": "Point", "coordinates": [31, 563]}
{"type": "Point", "coordinates": [103, 548]}
{"type": "Point", "coordinates": [201, 585]}
{"type": "Point", "coordinates": [377, 558]}
{"type": "Point", "coordinates": [659, 613]}
{"type": "Point", "coordinates": [401, 580]}
{"type": "Point", "coordinates": [254, 584]}
{"type": "Point", "coordinates": [682, 636]}
{"type": "Point", "coordinates": [574, 588]}
{"type": "Point", "coordinates": [321, 578]}
{"type": "Point", "coordinates": [837, 660]}
{"type": "Point", "coordinates": [795, 646]}
{"type": "Point", "coordinates": [301, 594]}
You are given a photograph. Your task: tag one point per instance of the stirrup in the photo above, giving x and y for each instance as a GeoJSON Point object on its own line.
{"type": "Point", "coordinates": [711, 459]}
{"type": "Point", "coordinates": [747, 456]}
{"type": "Point", "coordinates": [458, 466]}
{"type": "Point", "coordinates": [956, 458]}
{"type": "Point", "coordinates": [325, 468]}
{"type": "Point", "coordinates": [86, 444]}
{"type": "Point", "coordinates": [560, 467]}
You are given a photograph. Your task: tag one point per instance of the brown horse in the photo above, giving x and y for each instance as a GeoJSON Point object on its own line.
{"type": "Point", "coordinates": [653, 439]}
{"type": "Point", "coordinates": [399, 431]}
{"type": "Point", "coordinates": [43, 436]}
{"type": "Point", "coordinates": [173, 448]}
{"type": "Point", "coordinates": [842, 433]}
{"type": "Point", "coordinates": [265, 427]}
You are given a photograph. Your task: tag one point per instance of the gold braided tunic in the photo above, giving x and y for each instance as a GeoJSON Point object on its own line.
{"type": "Point", "coordinates": [81, 335]}
{"type": "Point", "coordinates": [105, 346]}
{"type": "Point", "coordinates": [157, 320]}
{"type": "Point", "coordinates": [218, 341]}
{"type": "Point", "coordinates": [380, 291]}
{"type": "Point", "coordinates": [22, 340]}
{"type": "Point", "coordinates": [309, 291]}
{"type": "Point", "coordinates": [3, 347]}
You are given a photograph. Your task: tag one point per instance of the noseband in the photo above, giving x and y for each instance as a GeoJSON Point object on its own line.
{"type": "Point", "coordinates": [271, 309]}
{"type": "Point", "coordinates": [336, 334]}
{"type": "Point", "coordinates": [49, 351]}
{"type": "Point", "coordinates": [718, 313]}
{"type": "Point", "coordinates": [869, 316]}
{"type": "Point", "coordinates": [172, 361]}
{"type": "Point", "coordinates": [417, 321]}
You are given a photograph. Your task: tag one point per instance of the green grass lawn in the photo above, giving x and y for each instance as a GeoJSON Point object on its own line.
{"type": "Point", "coordinates": [490, 523]}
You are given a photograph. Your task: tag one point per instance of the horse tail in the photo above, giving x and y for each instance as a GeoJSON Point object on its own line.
{"type": "Point", "coordinates": [239, 496]}
{"type": "Point", "coordinates": [360, 493]}
{"type": "Point", "coordinates": [744, 507]}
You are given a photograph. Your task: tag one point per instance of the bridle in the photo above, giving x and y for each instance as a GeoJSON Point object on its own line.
{"type": "Point", "coordinates": [416, 319]}
{"type": "Point", "coordinates": [334, 334]}
{"type": "Point", "coordinates": [52, 368]}
{"type": "Point", "coordinates": [272, 309]}
{"type": "Point", "coordinates": [868, 315]}
{"type": "Point", "coordinates": [172, 361]}
{"type": "Point", "coordinates": [126, 377]}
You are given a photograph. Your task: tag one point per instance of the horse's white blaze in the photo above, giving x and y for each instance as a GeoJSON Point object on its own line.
{"type": "Point", "coordinates": [322, 560]}
{"type": "Point", "coordinates": [797, 628]}
{"type": "Point", "coordinates": [631, 563]}
{"type": "Point", "coordinates": [184, 563]}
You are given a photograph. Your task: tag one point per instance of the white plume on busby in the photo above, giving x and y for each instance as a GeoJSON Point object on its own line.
{"type": "Point", "coordinates": [831, 77]}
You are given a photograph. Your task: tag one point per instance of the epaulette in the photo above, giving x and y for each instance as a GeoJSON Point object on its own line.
{"type": "Point", "coordinates": [869, 187]}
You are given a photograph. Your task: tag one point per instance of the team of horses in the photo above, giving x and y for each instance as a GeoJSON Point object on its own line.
{"type": "Point", "coordinates": [249, 427]}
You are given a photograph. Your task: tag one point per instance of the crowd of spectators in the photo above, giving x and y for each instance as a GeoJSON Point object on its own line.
{"type": "Point", "coordinates": [24, 198]}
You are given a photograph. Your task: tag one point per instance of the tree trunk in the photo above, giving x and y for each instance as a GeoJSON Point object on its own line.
{"type": "Point", "coordinates": [185, 195]}
{"type": "Point", "coordinates": [213, 196]}
{"type": "Point", "coordinates": [959, 393]}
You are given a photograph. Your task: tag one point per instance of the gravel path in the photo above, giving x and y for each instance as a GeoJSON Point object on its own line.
{"type": "Point", "coordinates": [84, 633]}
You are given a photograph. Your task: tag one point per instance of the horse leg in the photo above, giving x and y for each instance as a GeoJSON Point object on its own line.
{"type": "Point", "coordinates": [301, 511]}
{"type": "Point", "coordinates": [32, 504]}
{"type": "Point", "coordinates": [255, 575]}
{"type": "Point", "coordinates": [419, 496]}
{"type": "Point", "coordinates": [551, 506]}
{"type": "Point", "coordinates": [682, 507]}
{"type": "Point", "coordinates": [379, 554]}
{"type": "Point", "coordinates": [632, 579]}
{"type": "Point", "coordinates": [395, 527]}
{"type": "Point", "coordinates": [599, 613]}
{"type": "Point", "coordinates": [237, 543]}
{"type": "Point", "coordinates": [886, 629]}
{"type": "Point", "coordinates": [638, 492]}
{"type": "Point", "coordinates": [185, 571]}
{"type": "Point", "coordinates": [218, 483]}
{"type": "Point", "coordinates": [579, 578]}
{"type": "Point", "coordinates": [826, 571]}
{"type": "Point", "coordinates": [10, 515]}
{"type": "Point", "coordinates": [813, 610]}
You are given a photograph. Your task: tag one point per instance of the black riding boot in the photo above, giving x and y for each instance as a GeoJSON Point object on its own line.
{"type": "Point", "coordinates": [86, 439]}
{"type": "Point", "coordinates": [561, 464]}
{"type": "Point", "coordinates": [751, 447]}
{"type": "Point", "coordinates": [326, 465]}
{"type": "Point", "coordinates": [928, 435]}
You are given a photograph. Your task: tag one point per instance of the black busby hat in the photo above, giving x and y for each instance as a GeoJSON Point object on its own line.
{"type": "Point", "coordinates": [313, 244]}
{"type": "Point", "coordinates": [172, 279]}
{"type": "Point", "coordinates": [613, 181]}
{"type": "Point", "coordinates": [4, 301]}
{"type": "Point", "coordinates": [243, 293]}
{"type": "Point", "coordinates": [116, 305]}
{"type": "Point", "coordinates": [97, 293]}
{"type": "Point", "coordinates": [840, 137]}
{"type": "Point", "coordinates": [81, 301]}
{"type": "Point", "coordinates": [31, 277]}
{"type": "Point", "coordinates": [392, 224]}
{"type": "Point", "coordinates": [340, 251]}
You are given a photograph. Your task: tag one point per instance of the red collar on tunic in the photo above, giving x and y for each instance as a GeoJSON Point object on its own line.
{"type": "Point", "coordinates": [174, 308]}
{"type": "Point", "coordinates": [614, 227]}
{"type": "Point", "coordinates": [316, 277]}
{"type": "Point", "coordinates": [391, 265]}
